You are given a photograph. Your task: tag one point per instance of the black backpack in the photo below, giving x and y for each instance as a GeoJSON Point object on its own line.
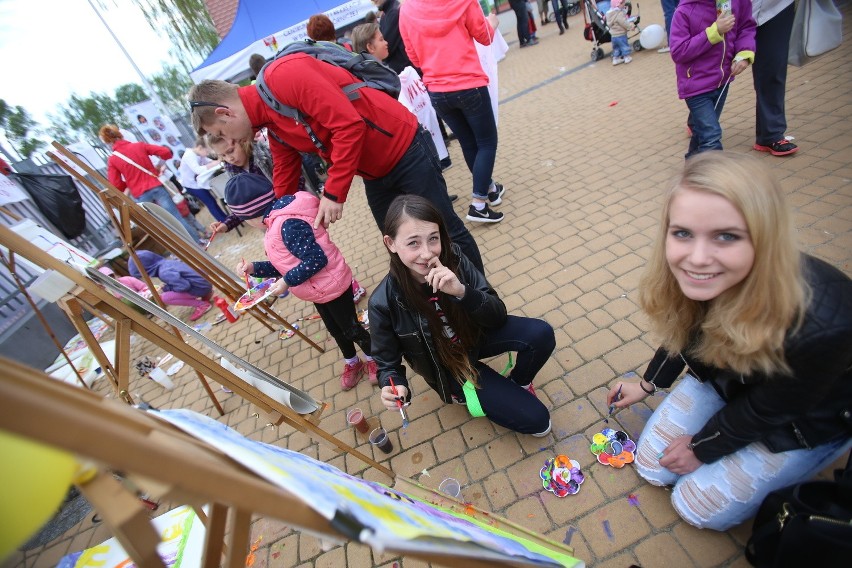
{"type": "Point", "coordinates": [372, 72]}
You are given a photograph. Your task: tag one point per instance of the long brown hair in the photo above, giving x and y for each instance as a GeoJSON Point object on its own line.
{"type": "Point", "coordinates": [744, 328]}
{"type": "Point", "coordinates": [451, 355]}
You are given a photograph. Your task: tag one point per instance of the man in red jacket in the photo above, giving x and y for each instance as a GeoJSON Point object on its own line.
{"type": "Point", "coordinates": [373, 136]}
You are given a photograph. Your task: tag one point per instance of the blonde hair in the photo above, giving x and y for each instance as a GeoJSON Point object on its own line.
{"type": "Point", "coordinates": [743, 328]}
{"type": "Point", "coordinates": [110, 134]}
{"type": "Point", "coordinates": [213, 92]}
{"type": "Point", "coordinates": [362, 35]}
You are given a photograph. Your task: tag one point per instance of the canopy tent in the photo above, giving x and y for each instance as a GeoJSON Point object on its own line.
{"type": "Point", "coordinates": [265, 26]}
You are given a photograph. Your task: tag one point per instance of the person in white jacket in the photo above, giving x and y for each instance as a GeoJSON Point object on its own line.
{"type": "Point", "coordinates": [195, 172]}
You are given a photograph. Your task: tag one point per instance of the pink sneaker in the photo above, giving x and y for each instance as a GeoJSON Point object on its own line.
{"type": "Point", "coordinates": [372, 372]}
{"type": "Point", "coordinates": [200, 311]}
{"type": "Point", "coordinates": [358, 291]}
{"type": "Point", "coordinates": [351, 375]}
{"type": "Point", "coordinates": [531, 389]}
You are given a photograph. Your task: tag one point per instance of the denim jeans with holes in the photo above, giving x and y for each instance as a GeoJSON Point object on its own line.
{"type": "Point", "coordinates": [729, 491]}
{"type": "Point", "coordinates": [620, 47]}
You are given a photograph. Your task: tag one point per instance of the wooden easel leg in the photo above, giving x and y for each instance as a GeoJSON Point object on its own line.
{"type": "Point", "coordinates": [239, 539]}
{"type": "Point", "coordinates": [126, 517]}
{"type": "Point", "coordinates": [214, 539]}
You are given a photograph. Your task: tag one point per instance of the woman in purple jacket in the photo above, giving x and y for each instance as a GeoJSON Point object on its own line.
{"type": "Point", "coordinates": [711, 42]}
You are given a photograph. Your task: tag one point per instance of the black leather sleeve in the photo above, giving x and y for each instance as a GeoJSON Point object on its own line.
{"type": "Point", "coordinates": [385, 346]}
{"type": "Point", "coordinates": [664, 368]}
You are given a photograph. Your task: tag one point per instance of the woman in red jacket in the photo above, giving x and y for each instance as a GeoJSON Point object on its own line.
{"type": "Point", "coordinates": [129, 169]}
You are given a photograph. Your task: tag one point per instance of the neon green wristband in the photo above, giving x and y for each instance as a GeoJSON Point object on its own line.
{"type": "Point", "coordinates": [472, 400]}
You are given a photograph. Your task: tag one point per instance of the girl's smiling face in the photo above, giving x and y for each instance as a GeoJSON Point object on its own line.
{"type": "Point", "coordinates": [708, 246]}
{"type": "Point", "coordinates": [418, 245]}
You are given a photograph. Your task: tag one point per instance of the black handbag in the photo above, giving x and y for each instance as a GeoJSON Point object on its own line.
{"type": "Point", "coordinates": [807, 524]}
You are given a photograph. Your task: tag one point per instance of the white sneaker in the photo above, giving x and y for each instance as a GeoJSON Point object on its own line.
{"type": "Point", "coordinates": [663, 49]}
{"type": "Point", "coordinates": [617, 60]}
{"type": "Point", "coordinates": [545, 433]}
{"type": "Point", "coordinates": [628, 59]}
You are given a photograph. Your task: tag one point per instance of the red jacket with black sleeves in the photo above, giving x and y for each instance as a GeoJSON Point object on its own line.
{"type": "Point", "coordinates": [367, 136]}
{"type": "Point", "coordinates": [123, 175]}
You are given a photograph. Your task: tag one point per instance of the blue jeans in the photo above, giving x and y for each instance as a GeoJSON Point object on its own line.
{"type": "Point", "coordinates": [522, 17]}
{"type": "Point", "coordinates": [727, 492]}
{"type": "Point", "coordinates": [163, 198]}
{"type": "Point", "coordinates": [620, 47]}
{"type": "Point", "coordinates": [209, 201]}
{"type": "Point", "coordinates": [704, 112]}
{"type": "Point", "coordinates": [669, 7]}
{"type": "Point", "coordinates": [470, 116]}
{"type": "Point", "coordinates": [561, 15]}
{"type": "Point", "coordinates": [418, 172]}
{"type": "Point", "coordinates": [503, 399]}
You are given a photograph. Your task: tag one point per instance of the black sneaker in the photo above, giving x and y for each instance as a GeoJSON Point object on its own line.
{"type": "Point", "coordinates": [495, 197]}
{"type": "Point", "coordinates": [453, 198]}
{"type": "Point", "coordinates": [484, 216]}
{"type": "Point", "coordinates": [446, 164]}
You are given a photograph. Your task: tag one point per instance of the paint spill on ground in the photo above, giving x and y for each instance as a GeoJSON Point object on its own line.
{"type": "Point", "coordinates": [569, 534]}
{"type": "Point", "coordinates": [608, 530]}
{"type": "Point", "coordinates": [417, 458]}
{"type": "Point", "coordinates": [633, 500]}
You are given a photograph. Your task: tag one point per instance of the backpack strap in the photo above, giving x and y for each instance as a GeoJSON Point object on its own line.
{"type": "Point", "coordinates": [284, 110]}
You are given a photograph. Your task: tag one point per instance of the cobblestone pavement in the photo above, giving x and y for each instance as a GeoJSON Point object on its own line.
{"type": "Point", "coordinates": [585, 152]}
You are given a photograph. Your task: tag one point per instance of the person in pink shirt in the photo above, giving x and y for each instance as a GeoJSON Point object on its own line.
{"type": "Point", "coordinates": [438, 39]}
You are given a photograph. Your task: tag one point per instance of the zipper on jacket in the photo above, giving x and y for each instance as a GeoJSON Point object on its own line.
{"type": "Point", "coordinates": [692, 445]}
{"type": "Point", "coordinates": [788, 513]}
{"type": "Point", "coordinates": [376, 127]}
{"type": "Point", "coordinates": [434, 360]}
{"type": "Point", "coordinates": [800, 437]}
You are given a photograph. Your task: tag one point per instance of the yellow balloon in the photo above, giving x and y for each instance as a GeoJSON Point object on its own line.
{"type": "Point", "coordinates": [34, 480]}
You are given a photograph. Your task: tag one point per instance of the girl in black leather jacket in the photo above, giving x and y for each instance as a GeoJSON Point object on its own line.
{"type": "Point", "coordinates": [764, 334]}
{"type": "Point", "coordinates": [438, 311]}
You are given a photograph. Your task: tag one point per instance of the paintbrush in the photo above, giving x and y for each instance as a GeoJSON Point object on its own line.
{"type": "Point", "coordinates": [248, 285]}
{"type": "Point", "coordinates": [612, 406]}
{"type": "Point", "coordinates": [399, 405]}
{"type": "Point", "coordinates": [213, 236]}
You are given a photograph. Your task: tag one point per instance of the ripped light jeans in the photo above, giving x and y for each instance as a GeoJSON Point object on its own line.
{"type": "Point", "coordinates": [728, 492]}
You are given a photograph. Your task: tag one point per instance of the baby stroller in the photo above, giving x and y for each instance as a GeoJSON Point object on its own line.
{"type": "Point", "coordinates": [573, 10]}
{"type": "Point", "coordinates": [596, 30]}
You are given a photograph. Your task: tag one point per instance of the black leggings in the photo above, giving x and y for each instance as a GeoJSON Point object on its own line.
{"type": "Point", "coordinates": [342, 323]}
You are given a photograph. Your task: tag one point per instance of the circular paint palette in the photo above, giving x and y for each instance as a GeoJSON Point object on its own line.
{"type": "Point", "coordinates": [255, 295]}
{"type": "Point", "coordinates": [613, 447]}
{"type": "Point", "coordinates": [562, 476]}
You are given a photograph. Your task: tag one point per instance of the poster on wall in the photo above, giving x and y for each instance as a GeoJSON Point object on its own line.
{"type": "Point", "coordinates": [157, 128]}
{"type": "Point", "coordinates": [10, 192]}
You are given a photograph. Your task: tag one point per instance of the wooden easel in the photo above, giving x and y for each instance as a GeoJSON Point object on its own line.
{"type": "Point", "coordinates": [92, 297]}
{"type": "Point", "coordinates": [176, 466]}
{"type": "Point", "coordinates": [123, 211]}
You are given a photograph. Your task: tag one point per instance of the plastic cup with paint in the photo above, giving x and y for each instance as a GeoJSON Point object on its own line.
{"type": "Point", "coordinates": [450, 487]}
{"type": "Point", "coordinates": [380, 439]}
{"type": "Point", "coordinates": [356, 418]}
{"type": "Point", "coordinates": [160, 376]}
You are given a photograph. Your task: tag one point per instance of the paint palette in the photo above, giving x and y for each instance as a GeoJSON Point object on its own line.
{"type": "Point", "coordinates": [562, 476]}
{"type": "Point", "coordinates": [255, 295]}
{"type": "Point", "coordinates": [613, 447]}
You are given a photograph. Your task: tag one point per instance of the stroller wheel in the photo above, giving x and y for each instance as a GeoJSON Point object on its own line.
{"type": "Point", "coordinates": [574, 9]}
{"type": "Point", "coordinates": [599, 54]}
{"type": "Point", "coordinates": [637, 45]}
{"type": "Point", "coordinates": [594, 55]}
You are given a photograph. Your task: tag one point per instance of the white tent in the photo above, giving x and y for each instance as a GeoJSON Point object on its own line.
{"type": "Point", "coordinates": [265, 26]}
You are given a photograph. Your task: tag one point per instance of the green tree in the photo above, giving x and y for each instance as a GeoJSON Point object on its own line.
{"type": "Point", "coordinates": [20, 129]}
{"type": "Point", "coordinates": [172, 84]}
{"type": "Point", "coordinates": [83, 116]}
{"type": "Point", "coordinates": [186, 23]}
{"type": "Point", "coordinates": [130, 94]}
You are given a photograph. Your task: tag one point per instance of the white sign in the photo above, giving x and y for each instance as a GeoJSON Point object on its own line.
{"type": "Point", "coordinates": [10, 192]}
{"type": "Point", "coordinates": [157, 128]}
